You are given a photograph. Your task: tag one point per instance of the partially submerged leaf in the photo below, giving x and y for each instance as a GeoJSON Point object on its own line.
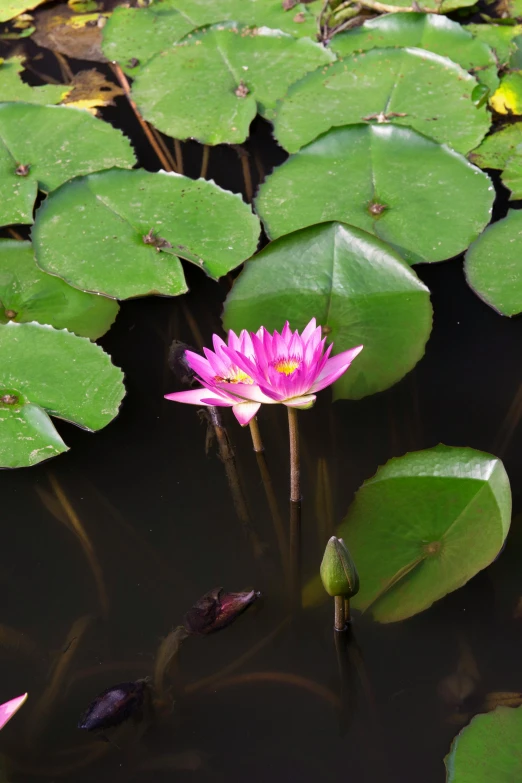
{"type": "Point", "coordinates": [120, 232]}
{"type": "Point", "coordinates": [493, 264]}
{"type": "Point", "coordinates": [27, 294]}
{"type": "Point", "coordinates": [43, 370]}
{"type": "Point", "coordinates": [11, 8]}
{"type": "Point", "coordinates": [501, 38]}
{"type": "Point", "coordinates": [63, 143]}
{"type": "Point", "coordinates": [508, 98]}
{"type": "Point", "coordinates": [12, 88]}
{"type": "Point", "coordinates": [412, 87]}
{"type": "Point", "coordinates": [488, 749]}
{"type": "Point", "coordinates": [357, 287]}
{"type": "Point", "coordinates": [75, 35]}
{"type": "Point", "coordinates": [430, 6]}
{"type": "Point", "coordinates": [211, 86]}
{"type": "Point", "coordinates": [381, 178]}
{"type": "Point", "coordinates": [90, 90]}
{"type": "Point", "coordinates": [496, 149]}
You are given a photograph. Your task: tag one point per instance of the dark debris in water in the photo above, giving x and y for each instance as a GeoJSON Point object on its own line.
{"type": "Point", "coordinates": [114, 705]}
{"type": "Point", "coordinates": [217, 609]}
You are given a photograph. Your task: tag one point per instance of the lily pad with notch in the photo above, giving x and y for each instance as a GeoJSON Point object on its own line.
{"type": "Point", "coordinates": [13, 88]}
{"type": "Point", "coordinates": [358, 288]}
{"type": "Point", "coordinates": [211, 85]}
{"type": "Point", "coordinates": [28, 294]}
{"type": "Point", "coordinates": [45, 371]}
{"type": "Point", "coordinates": [500, 38]}
{"type": "Point", "coordinates": [496, 149]}
{"type": "Point", "coordinates": [62, 143]}
{"type": "Point", "coordinates": [411, 87]}
{"type": "Point", "coordinates": [381, 178]}
{"type": "Point", "coordinates": [121, 233]}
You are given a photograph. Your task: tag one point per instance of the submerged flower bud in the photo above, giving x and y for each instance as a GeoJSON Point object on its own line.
{"type": "Point", "coordinates": [217, 609]}
{"type": "Point", "coordinates": [114, 705]}
{"type": "Point", "coordinates": [338, 572]}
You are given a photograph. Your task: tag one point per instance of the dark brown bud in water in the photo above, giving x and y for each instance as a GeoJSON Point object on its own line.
{"type": "Point", "coordinates": [9, 399]}
{"type": "Point", "coordinates": [114, 705]}
{"type": "Point", "coordinates": [376, 209]}
{"type": "Point", "coordinates": [217, 609]}
{"type": "Point", "coordinates": [23, 169]}
{"type": "Point", "coordinates": [178, 363]}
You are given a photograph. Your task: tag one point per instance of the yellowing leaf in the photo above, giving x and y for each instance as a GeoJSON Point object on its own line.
{"type": "Point", "coordinates": [508, 98]}
{"type": "Point", "coordinates": [90, 89]}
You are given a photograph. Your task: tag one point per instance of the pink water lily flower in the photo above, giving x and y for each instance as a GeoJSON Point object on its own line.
{"type": "Point", "coordinates": [8, 709]}
{"type": "Point", "coordinates": [257, 368]}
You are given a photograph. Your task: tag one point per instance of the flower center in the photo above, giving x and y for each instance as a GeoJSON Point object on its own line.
{"type": "Point", "coordinates": [288, 365]}
{"type": "Point", "coordinates": [235, 375]}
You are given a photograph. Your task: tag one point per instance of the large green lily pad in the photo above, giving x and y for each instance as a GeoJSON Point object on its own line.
{"type": "Point", "coordinates": [11, 8]}
{"type": "Point", "coordinates": [501, 38]}
{"type": "Point", "coordinates": [43, 146]}
{"type": "Point", "coordinates": [27, 294]}
{"type": "Point", "coordinates": [120, 233]}
{"type": "Point", "coordinates": [488, 749]}
{"type": "Point", "coordinates": [493, 264]}
{"type": "Point", "coordinates": [137, 34]}
{"type": "Point", "coordinates": [496, 149]}
{"type": "Point", "coordinates": [211, 86]}
{"type": "Point", "coordinates": [412, 87]}
{"type": "Point", "coordinates": [12, 88]}
{"type": "Point", "coordinates": [357, 288]}
{"type": "Point", "coordinates": [389, 181]}
{"type": "Point", "coordinates": [426, 31]}
{"type": "Point", "coordinates": [422, 527]}
{"type": "Point", "coordinates": [46, 371]}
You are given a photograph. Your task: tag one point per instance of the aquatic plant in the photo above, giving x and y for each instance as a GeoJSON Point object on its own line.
{"type": "Point", "coordinates": [340, 579]}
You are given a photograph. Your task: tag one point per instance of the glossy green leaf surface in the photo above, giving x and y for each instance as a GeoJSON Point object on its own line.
{"type": "Point", "coordinates": [512, 175]}
{"type": "Point", "coordinates": [120, 233]}
{"type": "Point", "coordinates": [54, 143]}
{"type": "Point", "coordinates": [354, 285]}
{"type": "Point", "coordinates": [493, 264]}
{"type": "Point", "coordinates": [433, 32]}
{"type": "Point", "coordinates": [495, 151]}
{"type": "Point", "coordinates": [211, 86]}
{"type": "Point", "coordinates": [501, 38]}
{"type": "Point", "coordinates": [46, 371]}
{"type": "Point", "coordinates": [488, 749]}
{"type": "Point", "coordinates": [382, 179]}
{"type": "Point", "coordinates": [140, 33]}
{"type": "Point", "coordinates": [12, 88]}
{"type": "Point", "coordinates": [27, 294]}
{"type": "Point", "coordinates": [423, 526]}
{"type": "Point", "coordinates": [412, 87]}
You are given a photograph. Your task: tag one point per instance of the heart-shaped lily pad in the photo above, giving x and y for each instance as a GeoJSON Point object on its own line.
{"type": "Point", "coordinates": [211, 86]}
{"type": "Point", "coordinates": [133, 35]}
{"type": "Point", "coordinates": [488, 749]}
{"type": "Point", "coordinates": [44, 146]}
{"type": "Point", "coordinates": [496, 149]}
{"type": "Point", "coordinates": [46, 371]}
{"type": "Point", "coordinates": [426, 31]}
{"type": "Point", "coordinates": [422, 527]}
{"type": "Point", "coordinates": [12, 88]}
{"type": "Point", "coordinates": [28, 294]}
{"type": "Point", "coordinates": [412, 87]}
{"type": "Point", "coordinates": [381, 178]}
{"type": "Point", "coordinates": [494, 264]}
{"type": "Point", "coordinates": [119, 233]}
{"type": "Point", "coordinates": [357, 287]}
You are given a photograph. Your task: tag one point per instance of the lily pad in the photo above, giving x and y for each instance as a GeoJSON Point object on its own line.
{"type": "Point", "coordinates": [133, 35]}
{"type": "Point", "coordinates": [79, 36]}
{"type": "Point", "coordinates": [120, 233]}
{"type": "Point", "coordinates": [493, 264]}
{"type": "Point", "coordinates": [11, 8]}
{"type": "Point", "coordinates": [27, 294]}
{"type": "Point", "coordinates": [62, 143]}
{"type": "Point", "coordinates": [501, 38]}
{"type": "Point", "coordinates": [433, 32]}
{"type": "Point", "coordinates": [496, 149]}
{"type": "Point", "coordinates": [412, 87]}
{"type": "Point", "coordinates": [12, 88]}
{"type": "Point", "coordinates": [46, 371]}
{"type": "Point", "coordinates": [508, 98]}
{"type": "Point", "coordinates": [357, 287]}
{"type": "Point", "coordinates": [211, 86]}
{"type": "Point", "coordinates": [488, 749]}
{"type": "Point", "coordinates": [423, 526]}
{"type": "Point", "coordinates": [512, 175]}
{"type": "Point", "coordinates": [430, 6]}
{"type": "Point", "coordinates": [381, 178]}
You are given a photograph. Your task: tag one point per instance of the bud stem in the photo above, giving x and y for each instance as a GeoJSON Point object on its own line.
{"type": "Point", "coordinates": [347, 611]}
{"type": "Point", "coordinates": [339, 617]}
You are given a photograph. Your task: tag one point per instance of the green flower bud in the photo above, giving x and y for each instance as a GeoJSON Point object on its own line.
{"type": "Point", "coordinates": [338, 572]}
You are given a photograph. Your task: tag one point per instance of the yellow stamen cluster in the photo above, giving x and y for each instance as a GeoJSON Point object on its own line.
{"type": "Point", "coordinates": [287, 366]}
{"type": "Point", "coordinates": [235, 376]}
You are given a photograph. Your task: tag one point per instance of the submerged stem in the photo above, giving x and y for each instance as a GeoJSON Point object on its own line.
{"type": "Point", "coordinates": [295, 510]}
{"type": "Point", "coordinates": [255, 432]}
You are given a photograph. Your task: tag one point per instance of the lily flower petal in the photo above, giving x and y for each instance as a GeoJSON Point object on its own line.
{"type": "Point", "coordinates": [335, 367]}
{"type": "Point", "coordinates": [245, 411]}
{"type": "Point", "coordinates": [304, 402]}
{"type": "Point", "coordinates": [200, 397]}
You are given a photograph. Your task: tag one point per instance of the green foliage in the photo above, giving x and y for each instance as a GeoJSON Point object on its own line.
{"type": "Point", "coordinates": [12, 88]}
{"type": "Point", "coordinates": [11, 8]}
{"type": "Point", "coordinates": [211, 86]}
{"type": "Point", "coordinates": [512, 175]}
{"type": "Point", "coordinates": [44, 146]}
{"type": "Point", "coordinates": [355, 285]}
{"type": "Point", "coordinates": [496, 149]}
{"type": "Point", "coordinates": [381, 178]}
{"type": "Point", "coordinates": [501, 38]}
{"type": "Point", "coordinates": [46, 371]}
{"type": "Point", "coordinates": [134, 225]}
{"type": "Point", "coordinates": [494, 264]}
{"type": "Point", "coordinates": [27, 294]}
{"type": "Point", "coordinates": [338, 572]}
{"type": "Point", "coordinates": [488, 749]}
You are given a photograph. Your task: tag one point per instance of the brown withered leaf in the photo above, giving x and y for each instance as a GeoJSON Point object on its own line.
{"type": "Point", "coordinates": [75, 35]}
{"type": "Point", "coordinates": [90, 90]}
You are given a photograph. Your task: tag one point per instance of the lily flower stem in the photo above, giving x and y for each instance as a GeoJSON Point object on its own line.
{"type": "Point", "coordinates": [295, 510]}
{"type": "Point", "coordinates": [347, 612]}
{"type": "Point", "coordinates": [339, 614]}
{"type": "Point", "coordinates": [255, 432]}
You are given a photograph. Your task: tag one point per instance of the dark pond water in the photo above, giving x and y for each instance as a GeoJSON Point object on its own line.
{"type": "Point", "coordinates": [260, 701]}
